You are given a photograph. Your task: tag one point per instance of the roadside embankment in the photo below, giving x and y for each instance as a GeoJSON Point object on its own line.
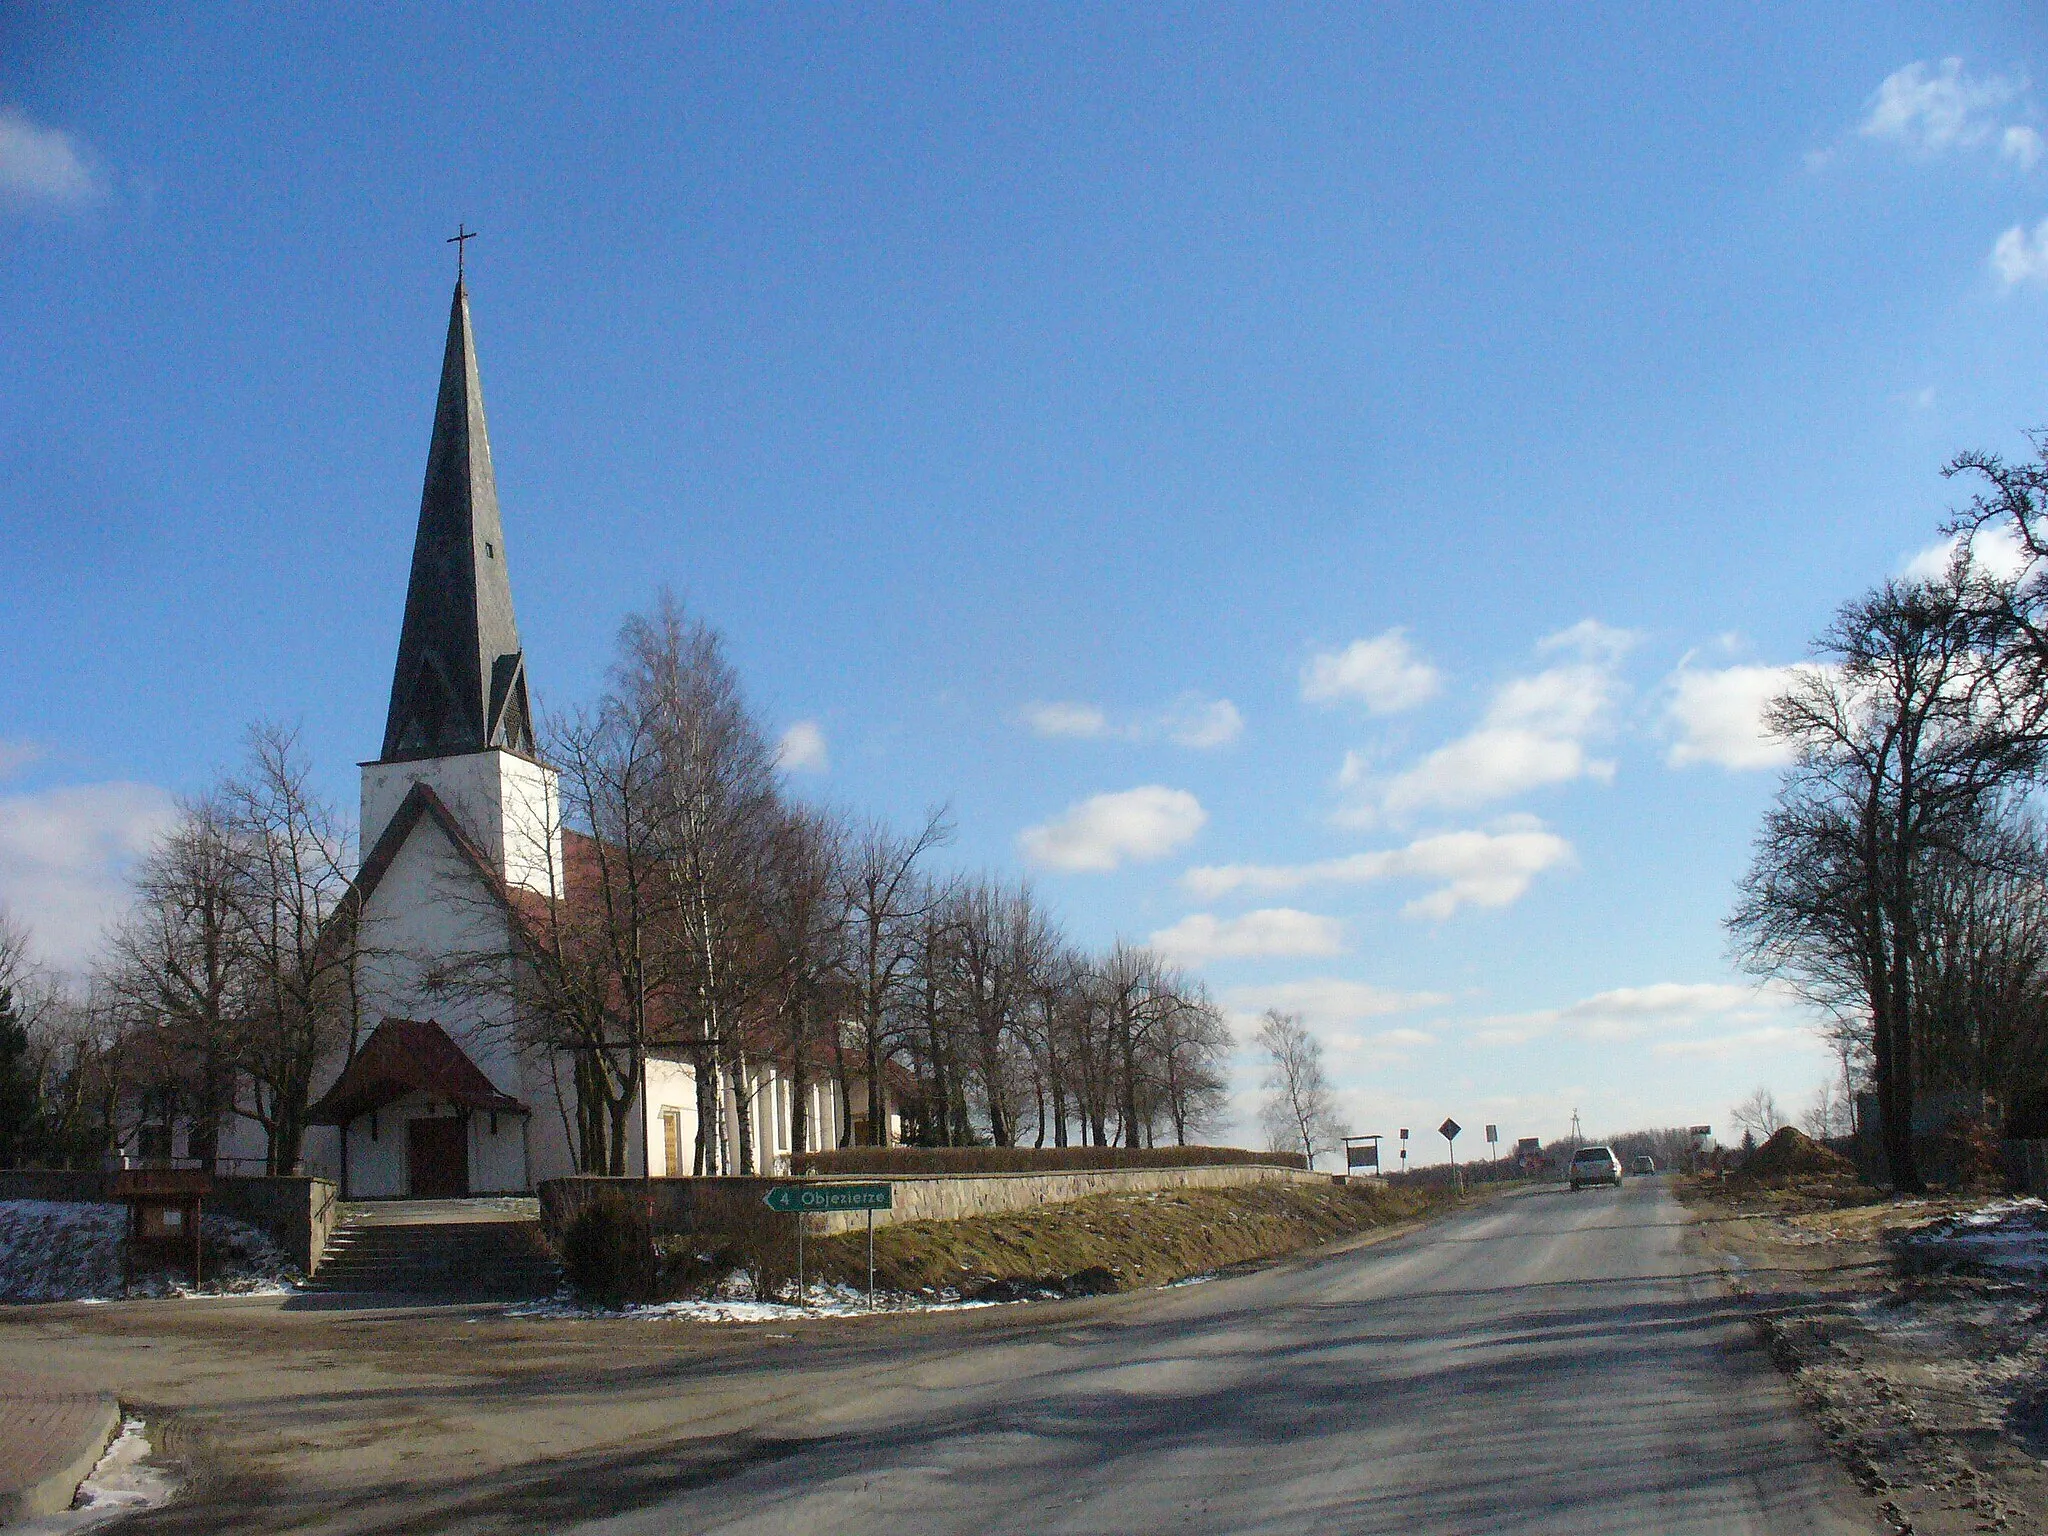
{"type": "Point", "coordinates": [1910, 1328]}
{"type": "Point", "coordinates": [1114, 1242]}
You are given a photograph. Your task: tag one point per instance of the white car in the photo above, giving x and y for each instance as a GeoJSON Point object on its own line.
{"type": "Point", "coordinates": [1595, 1165]}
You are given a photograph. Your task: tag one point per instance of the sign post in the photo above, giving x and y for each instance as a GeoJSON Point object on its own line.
{"type": "Point", "coordinates": [1449, 1131]}
{"type": "Point", "coordinates": [1702, 1143]}
{"type": "Point", "coordinates": [800, 1200]}
{"type": "Point", "coordinates": [1404, 1149]}
{"type": "Point", "coordinates": [1492, 1149]}
{"type": "Point", "coordinates": [1362, 1152]}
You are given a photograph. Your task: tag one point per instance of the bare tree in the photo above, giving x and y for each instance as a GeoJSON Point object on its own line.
{"type": "Point", "coordinates": [1193, 1043]}
{"type": "Point", "coordinates": [182, 962]}
{"type": "Point", "coordinates": [717, 802]}
{"type": "Point", "coordinates": [887, 901]}
{"type": "Point", "coordinates": [1906, 740]}
{"type": "Point", "coordinates": [1758, 1114]}
{"type": "Point", "coordinates": [804, 926]}
{"type": "Point", "coordinates": [1299, 1109]}
{"type": "Point", "coordinates": [1826, 1116]}
{"type": "Point", "coordinates": [302, 966]}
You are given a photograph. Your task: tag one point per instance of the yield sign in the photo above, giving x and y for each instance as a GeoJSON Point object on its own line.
{"type": "Point", "coordinates": [1449, 1129]}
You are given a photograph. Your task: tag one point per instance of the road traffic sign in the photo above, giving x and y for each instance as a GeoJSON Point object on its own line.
{"type": "Point", "coordinates": [1449, 1129]}
{"type": "Point", "coordinates": [1493, 1133]}
{"type": "Point", "coordinates": [828, 1197]}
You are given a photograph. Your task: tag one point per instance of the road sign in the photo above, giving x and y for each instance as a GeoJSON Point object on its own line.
{"type": "Point", "coordinates": [1404, 1133]}
{"type": "Point", "coordinates": [1449, 1129]}
{"type": "Point", "coordinates": [1493, 1133]}
{"type": "Point", "coordinates": [829, 1197]}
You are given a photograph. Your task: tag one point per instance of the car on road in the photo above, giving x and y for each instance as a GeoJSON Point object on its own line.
{"type": "Point", "coordinates": [1595, 1165]}
{"type": "Point", "coordinates": [1643, 1165]}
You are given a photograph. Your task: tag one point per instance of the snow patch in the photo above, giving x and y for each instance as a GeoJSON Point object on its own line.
{"type": "Point", "coordinates": [728, 1305]}
{"type": "Point", "coordinates": [121, 1482]}
{"type": "Point", "coordinates": [61, 1250]}
{"type": "Point", "coordinates": [2005, 1236]}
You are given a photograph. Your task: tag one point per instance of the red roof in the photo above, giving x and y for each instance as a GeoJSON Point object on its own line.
{"type": "Point", "coordinates": [403, 1056]}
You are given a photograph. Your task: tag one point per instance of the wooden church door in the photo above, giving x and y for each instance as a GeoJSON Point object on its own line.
{"type": "Point", "coordinates": [437, 1158]}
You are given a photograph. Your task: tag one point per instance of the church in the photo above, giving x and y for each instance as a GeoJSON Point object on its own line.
{"type": "Point", "coordinates": [461, 835]}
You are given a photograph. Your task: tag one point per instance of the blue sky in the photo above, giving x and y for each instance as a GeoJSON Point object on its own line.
{"type": "Point", "coordinates": [1321, 486]}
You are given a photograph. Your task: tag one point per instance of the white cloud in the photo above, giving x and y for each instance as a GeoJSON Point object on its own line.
{"type": "Point", "coordinates": [1327, 1002]}
{"type": "Point", "coordinates": [1201, 936]}
{"type": "Point", "coordinates": [1490, 868]}
{"type": "Point", "coordinates": [1103, 831]}
{"type": "Point", "coordinates": [1189, 721]}
{"type": "Point", "coordinates": [1995, 550]}
{"type": "Point", "coordinates": [64, 853]}
{"type": "Point", "coordinates": [2019, 257]}
{"type": "Point", "coordinates": [2022, 146]}
{"type": "Point", "coordinates": [1743, 1043]}
{"type": "Point", "coordinates": [1634, 1013]}
{"type": "Point", "coordinates": [802, 749]}
{"type": "Point", "coordinates": [1061, 718]}
{"type": "Point", "coordinates": [17, 755]}
{"type": "Point", "coordinates": [1533, 734]}
{"type": "Point", "coordinates": [1930, 112]}
{"type": "Point", "coordinates": [1193, 721]}
{"type": "Point", "coordinates": [1718, 716]}
{"type": "Point", "coordinates": [42, 165]}
{"type": "Point", "coordinates": [1383, 673]}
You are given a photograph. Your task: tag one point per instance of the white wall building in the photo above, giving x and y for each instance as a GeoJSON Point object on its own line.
{"type": "Point", "coordinates": [461, 827]}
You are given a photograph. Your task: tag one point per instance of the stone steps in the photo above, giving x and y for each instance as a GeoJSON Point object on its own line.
{"type": "Point", "coordinates": [474, 1260]}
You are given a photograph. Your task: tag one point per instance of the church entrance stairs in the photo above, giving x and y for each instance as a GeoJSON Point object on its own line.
{"type": "Point", "coordinates": [487, 1249]}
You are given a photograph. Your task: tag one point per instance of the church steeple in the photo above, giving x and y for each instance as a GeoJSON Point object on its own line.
{"type": "Point", "coordinates": [460, 685]}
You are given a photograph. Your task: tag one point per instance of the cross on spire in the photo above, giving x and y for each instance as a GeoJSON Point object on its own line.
{"type": "Point", "coordinates": [460, 240]}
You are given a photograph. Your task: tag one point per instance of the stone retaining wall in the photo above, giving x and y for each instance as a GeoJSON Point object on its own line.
{"type": "Point", "coordinates": [716, 1205]}
{"type": "Point", "coordinates": [297, 1212]}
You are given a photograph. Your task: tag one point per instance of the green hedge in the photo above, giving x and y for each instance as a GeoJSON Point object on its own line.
{"type": "Point", "coordinates": [909, 1160]}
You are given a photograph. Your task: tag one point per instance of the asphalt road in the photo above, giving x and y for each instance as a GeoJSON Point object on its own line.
{"type": "Point", "coordinates": [1547, 1362]}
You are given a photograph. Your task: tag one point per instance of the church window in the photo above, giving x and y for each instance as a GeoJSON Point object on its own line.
{"type": "Point", "coordinates": [490, 550]}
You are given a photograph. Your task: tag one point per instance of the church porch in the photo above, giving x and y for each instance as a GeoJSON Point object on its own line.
{"type": "Point", "coordinates": [419, 1120]}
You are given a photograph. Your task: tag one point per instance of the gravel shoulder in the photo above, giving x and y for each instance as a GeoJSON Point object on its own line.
{"type": "Point", "coordinates": [1925, 1370]}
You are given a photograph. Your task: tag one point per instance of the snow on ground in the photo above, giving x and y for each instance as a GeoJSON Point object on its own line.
{"type": "Point", "coordinates": [57, 1250]}
{"type": "Point", "coordinates": [2007, 1237]}
{"type": "Point", "coordinates": [731, 1303]}
{"type": "Point", "coordinates": [123, 1481]}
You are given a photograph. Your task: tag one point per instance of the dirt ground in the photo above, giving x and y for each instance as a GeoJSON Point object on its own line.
{"type": "Point", "coordinates": [1931, 1388]}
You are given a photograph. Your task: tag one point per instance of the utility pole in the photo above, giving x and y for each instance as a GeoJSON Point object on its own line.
{"type": "Point", "coordinates": [1577, 1135]}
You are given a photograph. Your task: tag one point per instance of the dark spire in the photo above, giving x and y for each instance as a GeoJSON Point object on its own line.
{"type": "Point", "coordinates": [461, 679]}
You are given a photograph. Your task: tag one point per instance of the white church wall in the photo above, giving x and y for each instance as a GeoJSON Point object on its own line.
{"type": "Point", "coordinates": [430, 908]}
{"type": "Point", "coordinates": [379, 1149]}
{"type": "Point", "coordinates": [671, 1088]}
{"type": "Point", "coordinates": [497, 1153]}
{"type": "Point", "coordinates": [550, 1153]}
{"type": "Point", "coordinates": [508, 806]}
{"type": "Point", "coordinates": [243, 1146]}
{"type": "Point", "coordinates": [376, 1154]}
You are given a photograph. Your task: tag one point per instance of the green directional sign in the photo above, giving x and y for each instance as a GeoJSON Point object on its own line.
{"type": "Point", "coordinates": [829, 1197]}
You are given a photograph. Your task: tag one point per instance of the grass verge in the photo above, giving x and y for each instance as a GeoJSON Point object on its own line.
{"type": "Point", "coordinates": [1115, 1242]}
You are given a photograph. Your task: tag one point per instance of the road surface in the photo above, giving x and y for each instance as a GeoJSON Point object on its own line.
{"type": "Point", "coordinates": [1546, 1362]}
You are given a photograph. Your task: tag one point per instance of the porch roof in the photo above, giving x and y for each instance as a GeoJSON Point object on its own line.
{"type": "Point", "coordinates": [405, 1056]}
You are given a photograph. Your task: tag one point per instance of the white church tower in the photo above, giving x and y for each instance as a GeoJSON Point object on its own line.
{"type": "Point", "coordinates": [459, 818]}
